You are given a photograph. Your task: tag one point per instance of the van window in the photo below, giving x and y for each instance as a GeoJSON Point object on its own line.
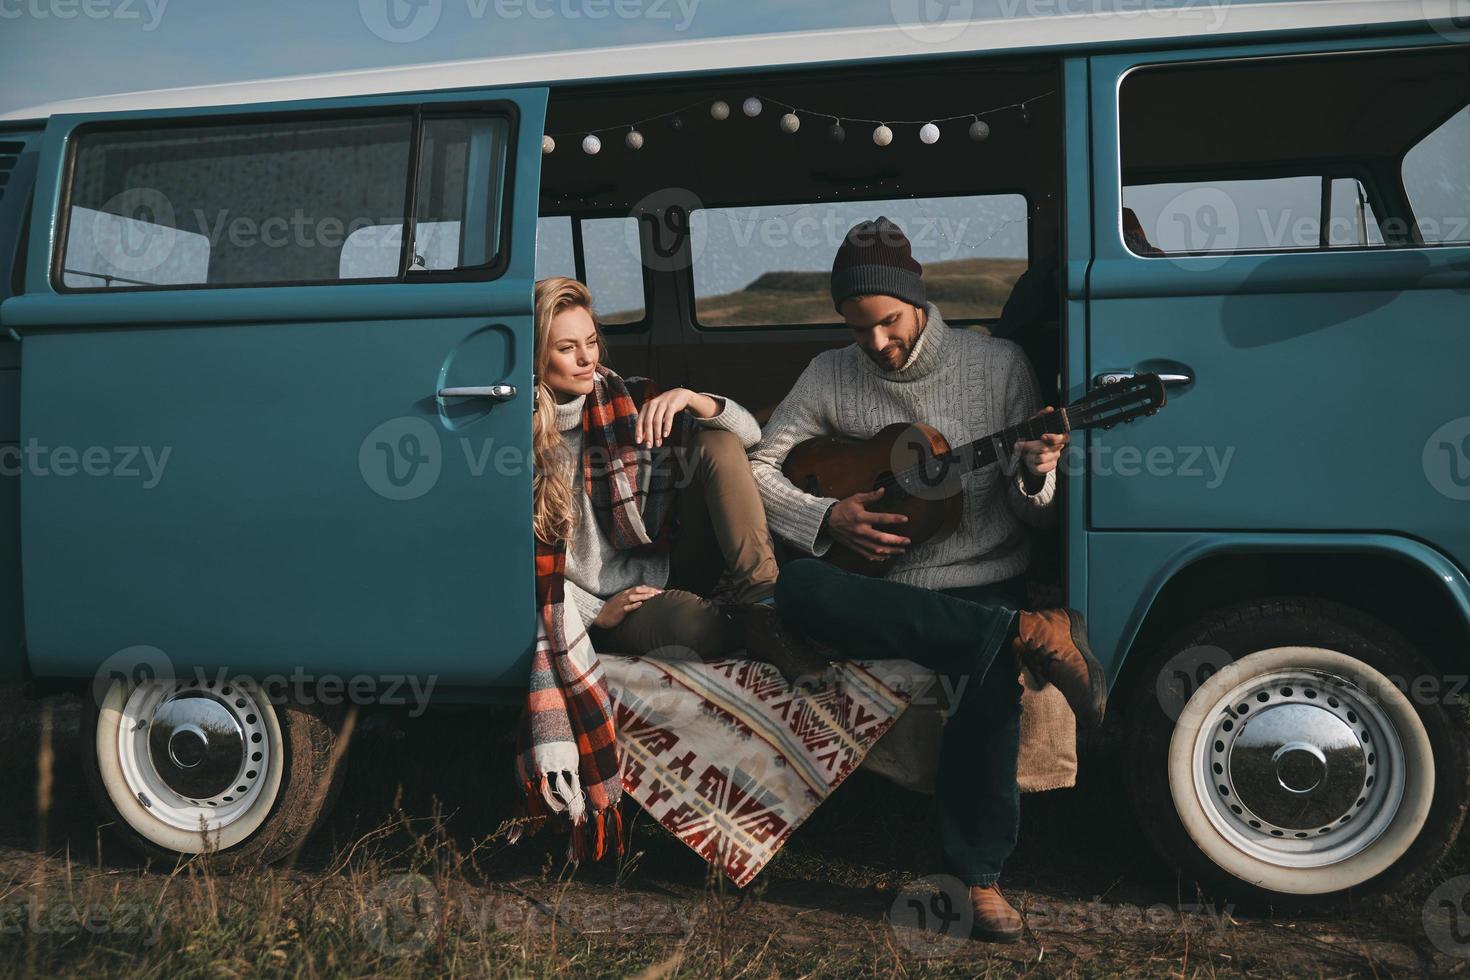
{"type": "Point", "coordinates": [771, 265]}
{"type": "Point", "coordinates": [1437, 180]}
{"type": "Point", "coordinates": [1293, 154]}
{"type": "Point", "coordinates": [446, 202]}
{"type": "Point", "coordinates": [607, 259]}
{"type": "Point", "coordinates": [282, 202]}
{"type": "Point", "coordinates": [1279, 213]}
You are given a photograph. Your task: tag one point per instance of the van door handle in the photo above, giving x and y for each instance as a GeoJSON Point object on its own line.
{"type": "Point", "coordinates": [501, 393]}
{"type": "Point", "coordinates": [1112, 377]}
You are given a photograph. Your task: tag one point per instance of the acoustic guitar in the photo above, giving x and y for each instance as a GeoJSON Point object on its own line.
{"type": "Point", "coordinates": [920, 473]}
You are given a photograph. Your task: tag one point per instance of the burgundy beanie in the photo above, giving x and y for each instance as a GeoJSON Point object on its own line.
{"type": "Point", "coordinates": [876, 259]}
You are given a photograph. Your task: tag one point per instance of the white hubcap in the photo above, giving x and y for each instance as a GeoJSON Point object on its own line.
{"type": "Point", "coordinates": [186, 759]}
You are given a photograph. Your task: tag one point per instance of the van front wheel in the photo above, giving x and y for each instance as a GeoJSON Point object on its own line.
{"type": "Point", "coordinates": [187, 767]}
{"type": "Point", "coordinates": [1277, 756]}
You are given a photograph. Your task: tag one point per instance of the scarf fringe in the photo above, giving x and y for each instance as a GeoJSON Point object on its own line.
{"type": "Point", "coordinates": [591, 838]}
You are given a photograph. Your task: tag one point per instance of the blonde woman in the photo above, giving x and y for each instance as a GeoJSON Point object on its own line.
{"type": "Point", "coordinates": [651, 495]}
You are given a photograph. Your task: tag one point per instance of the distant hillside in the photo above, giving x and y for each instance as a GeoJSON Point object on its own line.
{"type": "Point", "coordinates": [964, 288]}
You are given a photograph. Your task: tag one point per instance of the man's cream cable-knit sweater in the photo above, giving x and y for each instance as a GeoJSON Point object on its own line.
{"type": "Point", "coordinates": [964, 384]}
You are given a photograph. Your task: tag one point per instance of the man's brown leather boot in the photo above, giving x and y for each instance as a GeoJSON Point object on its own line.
{"type": "Point", "coordinates": [996, 921]}
{"type": "Point", "coordinates": [769, 640]}
{"type": "Point", "coordinates": [1052, 643]}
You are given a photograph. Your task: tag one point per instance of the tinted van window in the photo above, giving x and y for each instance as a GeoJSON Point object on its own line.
{"type": "Point", "coordinates": [1296, 154]}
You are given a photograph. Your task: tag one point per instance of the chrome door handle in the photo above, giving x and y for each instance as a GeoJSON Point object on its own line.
{"type": "Point", "coordinates": [1113, 377]}
{"type": "Point", "coordinates": [500, 393]}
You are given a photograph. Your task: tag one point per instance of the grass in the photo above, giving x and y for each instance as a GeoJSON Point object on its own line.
{"type": "Point", "coordinates": [414, 875]}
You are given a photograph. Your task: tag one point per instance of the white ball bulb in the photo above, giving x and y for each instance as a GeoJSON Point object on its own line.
{"type": "Point", "coordinates": [720, 110]}
{"type": "Point", "coordinates": [592, 146]}
{"type": "Point", "coordinates": [980, 131]}
{"type": "Point", "coordinates": [548, 145]}
{"type": "Point", "coordinates": [752, 107]}
{"type": "Point", "coordinates": [882, 136]}
{"type": "Point", "coordinates": [790, 123]}
{"type": "Point", "coordinates": [634, 140]}
{"type": "Point", "coordinates": [929, 135]}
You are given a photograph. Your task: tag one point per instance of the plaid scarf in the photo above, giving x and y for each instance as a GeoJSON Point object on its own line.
{"type": "Point", "coordinates": [567, 756]}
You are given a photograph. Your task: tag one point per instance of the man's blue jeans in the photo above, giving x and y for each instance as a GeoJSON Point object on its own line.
{"type": "Point", "coordinates": [961, 633]}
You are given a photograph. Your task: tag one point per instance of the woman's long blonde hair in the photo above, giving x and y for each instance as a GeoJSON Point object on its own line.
{"type": "Point", "coordinates": [554, 514]}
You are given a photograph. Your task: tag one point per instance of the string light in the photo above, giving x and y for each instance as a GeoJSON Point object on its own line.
{"type": "Point", "coordinates": [930, 130]}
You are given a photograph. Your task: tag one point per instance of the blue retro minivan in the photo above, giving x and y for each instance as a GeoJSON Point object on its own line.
{"type": "Point", "coordinates": [265, 392]}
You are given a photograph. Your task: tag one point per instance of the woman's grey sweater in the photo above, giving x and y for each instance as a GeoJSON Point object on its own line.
{"type": "Point", "coordinates": [596, 571]}
{"type": "Point", "coordinates": [966, 385]}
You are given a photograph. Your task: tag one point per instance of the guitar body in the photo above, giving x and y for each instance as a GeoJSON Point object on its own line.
{"type": "Point", "coordinates": [921, 472]}
{"type": "Point", "coordinates": [833, 467]}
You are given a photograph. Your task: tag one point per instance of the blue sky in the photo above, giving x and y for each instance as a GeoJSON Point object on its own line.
{"type": "Point", "coordinates": [58, 49]}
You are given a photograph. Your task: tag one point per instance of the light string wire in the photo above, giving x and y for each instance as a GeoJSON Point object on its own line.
{"type": "Point", "coordinates": [815, 113]}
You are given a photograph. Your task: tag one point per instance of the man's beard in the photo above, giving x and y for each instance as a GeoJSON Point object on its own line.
{"type": "Point", "coordinates": [896, 354]}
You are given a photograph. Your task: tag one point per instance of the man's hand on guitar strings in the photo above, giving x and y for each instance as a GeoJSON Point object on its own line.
{"type": "Point", "coordinates": [852, 524]}
{"type": "Point", "coordinates": [1040, 456]}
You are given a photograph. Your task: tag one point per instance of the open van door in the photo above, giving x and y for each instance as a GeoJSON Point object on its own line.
{"type": "Point", "coordinates": [17, 176]}
{"type": "Point", "coordinates": [277, 402]}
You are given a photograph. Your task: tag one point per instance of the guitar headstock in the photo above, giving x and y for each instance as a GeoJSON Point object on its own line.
{"type": "Point", "coordinates": [1118, 402]}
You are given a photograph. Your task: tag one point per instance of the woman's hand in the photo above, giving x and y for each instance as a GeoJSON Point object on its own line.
{"type": "Point", "coordinates": [656, 417]}
{"type": "Point", "coordinates": [616, 609]}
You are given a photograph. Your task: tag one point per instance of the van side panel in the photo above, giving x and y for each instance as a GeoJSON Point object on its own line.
{"type": "Point", "coordinates": [18, 151]}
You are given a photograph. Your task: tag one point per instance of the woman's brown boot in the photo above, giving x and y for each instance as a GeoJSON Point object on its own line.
{"type": "Point", "coordinates": [1053, 645]}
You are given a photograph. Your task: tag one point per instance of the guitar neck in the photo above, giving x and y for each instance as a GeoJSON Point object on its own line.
{"type": "Point", "coordinates": [988, 449]}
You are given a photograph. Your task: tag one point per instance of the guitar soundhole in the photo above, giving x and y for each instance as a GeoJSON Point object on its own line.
{"type": "Point", "coordinates": [811, 486]}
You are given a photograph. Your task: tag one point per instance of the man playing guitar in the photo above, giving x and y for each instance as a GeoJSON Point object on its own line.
{"type": "Point", "coordinates": [950, 604]}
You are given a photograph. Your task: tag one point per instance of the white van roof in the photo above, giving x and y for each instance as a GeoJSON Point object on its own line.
{"type": "Point", "coordinates": [1206, 19]}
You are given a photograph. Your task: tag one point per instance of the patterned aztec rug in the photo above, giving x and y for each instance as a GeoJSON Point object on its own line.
{"type": "Point", "coordinates": [731, 760]}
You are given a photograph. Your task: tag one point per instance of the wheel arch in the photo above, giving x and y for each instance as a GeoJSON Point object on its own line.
{"type": "Point", "coordinates": [1404, 583]}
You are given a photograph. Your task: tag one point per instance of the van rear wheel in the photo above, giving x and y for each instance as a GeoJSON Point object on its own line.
{"type": "Point", "coordinates": [1276, 758]}
{"type": "Point", "coordinates": [185, 768]}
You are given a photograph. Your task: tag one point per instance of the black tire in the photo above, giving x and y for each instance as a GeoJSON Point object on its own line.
{"type": "Point", "coordinates": [1256, 629]}
{"type": "Point", "coordinates": [310, 776]}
